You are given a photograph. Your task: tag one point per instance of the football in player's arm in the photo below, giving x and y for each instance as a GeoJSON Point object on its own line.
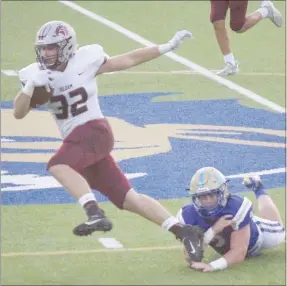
{"type": "Point", "coordinates": [230, 226]}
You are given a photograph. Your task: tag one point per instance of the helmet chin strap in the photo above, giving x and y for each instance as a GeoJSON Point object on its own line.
{"type": "Point", "coordinates": [210, 207]}
{"type": "Point", "coordinates": [54, 66]}
{"type": "Point", "coordinates": [208, 211]}
{"type": "Point", "coordinates": [57, 65]}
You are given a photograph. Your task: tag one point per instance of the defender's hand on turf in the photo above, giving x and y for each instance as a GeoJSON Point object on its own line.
{"type": "Point", "coordinates": [201, 266]}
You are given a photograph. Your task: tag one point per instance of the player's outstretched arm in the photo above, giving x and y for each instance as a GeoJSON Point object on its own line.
{"type": "Point", "coordinates": [139, 56]}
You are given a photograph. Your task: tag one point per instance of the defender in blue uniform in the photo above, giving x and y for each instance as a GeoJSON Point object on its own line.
{"type": "Point", "coordinates": [230, 226]}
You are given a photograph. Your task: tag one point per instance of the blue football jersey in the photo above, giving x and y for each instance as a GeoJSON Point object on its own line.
{"type": "Point", "coordinates": [242, 211]}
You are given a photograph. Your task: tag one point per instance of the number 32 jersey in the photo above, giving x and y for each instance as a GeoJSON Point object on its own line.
{"type": "Point", "coordinates": [75, 92]}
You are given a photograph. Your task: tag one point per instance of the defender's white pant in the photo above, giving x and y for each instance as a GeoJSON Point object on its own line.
{"type": "Point", "coordinates": [271, 234]}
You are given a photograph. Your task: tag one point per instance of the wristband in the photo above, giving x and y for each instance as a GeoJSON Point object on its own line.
{"type": "Point", "coordinates": [169, 223]}
{"type": "Point", "coordinates": [28, 89]}
{"type": "Point", "coordinates": [165, 48]}
{"type": "Point", "coordinates": [218, 264]}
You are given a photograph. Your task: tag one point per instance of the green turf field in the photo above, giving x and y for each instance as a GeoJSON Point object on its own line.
{"type": "Point", "coordinates": [141, 263]}
{"type": "Point", "coordinates": [37, 244]}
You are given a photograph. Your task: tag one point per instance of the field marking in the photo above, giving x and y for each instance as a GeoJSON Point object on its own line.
{"type": "Point", "coordinates": [110, 242]}
{"type": "Point", "coordinates": [179, 72]}
{"type": "Point", "coordinates": [260, 173]}
{"type": "Point", "coordinates": [114, 248]}
{"type": "Point", "coordinates": [205, 72]}
{"type": "Point", "coordinates": [191, 72]}
{"type": "Point", "coordinates": [67, 252]}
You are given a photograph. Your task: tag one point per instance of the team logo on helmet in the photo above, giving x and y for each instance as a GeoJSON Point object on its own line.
{"type": "Point", "coordinates": [43, 32]}
{"type": "Point", "coordinates": [62, 30]}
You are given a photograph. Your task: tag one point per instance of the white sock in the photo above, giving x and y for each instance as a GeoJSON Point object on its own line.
{"type": "Point", "coordinates": [263, 11]}
{"type": "Point", "coordinates": [170, 222]}
{"type": "Point", "coordinates": [87, 198]}
{"type": "Point", "coordinates": [229, 59]}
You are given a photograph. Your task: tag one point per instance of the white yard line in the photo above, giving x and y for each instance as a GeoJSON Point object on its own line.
{"type": "Point", "coordinates": [261, 173]}
{"type": "Point", "coordinates": [205, 72]}
{"type": "Point", "coordinates": [191, 72]}
{"type": "Point", "coordinates": [179, 72]}
{"type": "Point", "coordinates": [240, 73]}
{"type": "Point", "coordinates": [89, 251]}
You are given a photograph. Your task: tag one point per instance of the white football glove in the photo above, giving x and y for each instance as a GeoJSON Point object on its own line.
{"type": "Point", "coordinates": [41, 78]}
{"type": "Point", "coordinates": [175, 42]}
{"type": "Point", "coordinates": [178, 38]}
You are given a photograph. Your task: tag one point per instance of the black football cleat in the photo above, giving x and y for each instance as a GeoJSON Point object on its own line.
{"type": "Point", "coordinates": [97, 222]}
{"type": "Point", "coordinates": [192, 239]}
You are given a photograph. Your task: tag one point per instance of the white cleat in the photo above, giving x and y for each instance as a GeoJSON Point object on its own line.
{"type": "Point", "coordinates": [273, 14]}
{"type": "Point", "coordinates": [229, 69]}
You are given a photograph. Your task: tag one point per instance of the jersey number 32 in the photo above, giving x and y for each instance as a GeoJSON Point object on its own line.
{"type": "Point", "coordinates": [76, 108]}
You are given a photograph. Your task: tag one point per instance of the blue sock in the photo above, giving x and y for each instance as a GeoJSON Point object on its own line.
{"type": "Point", "coordinates": [260, 192]}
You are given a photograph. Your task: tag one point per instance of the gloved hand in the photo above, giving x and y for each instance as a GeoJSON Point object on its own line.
{"type": "Point", "coordinates": [175, 42]}
{"type": "Point", "coordinates": [40, 78]}
{"type": "Point", "coordinates": [253, 182]}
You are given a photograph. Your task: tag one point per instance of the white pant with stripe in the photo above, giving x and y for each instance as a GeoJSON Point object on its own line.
{"type": "Point", "coordinates": [271, 234]}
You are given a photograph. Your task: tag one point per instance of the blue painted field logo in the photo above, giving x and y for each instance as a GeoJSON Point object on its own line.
{"type": "Point", "coordinates": [159, 146]}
